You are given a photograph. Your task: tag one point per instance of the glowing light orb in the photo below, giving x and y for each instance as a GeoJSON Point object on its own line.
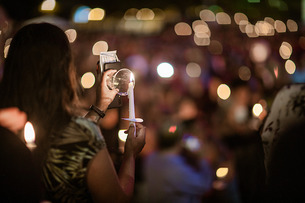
{"type": "Point", "coordinates": [222, 172]}
{"type": "Point", "coordinates": [165, 70]}
{"type": "Point", "coordinates": [88, 80]}
{"type": "Point", "coordinates": [81, 14]}
{"type": "Point", "coordinates": [71, 34]}
{"type": "Point", "coordinates": [98, 47]}
{"type": "Point", "coordinates": [223, 91]}
{"type": "Point", "coordinates": [290, 67]}
{"type": "Point", "coordinates": [257, 109]}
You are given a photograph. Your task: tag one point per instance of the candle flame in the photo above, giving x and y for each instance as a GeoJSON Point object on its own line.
{"type": "Point", "coordinates": [29, 132]}
{"type": "Point", "coordinates": [131, 79]}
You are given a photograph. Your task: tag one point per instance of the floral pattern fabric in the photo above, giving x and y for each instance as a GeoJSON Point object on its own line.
{"type": "Point", "coordinates": [64, 170]}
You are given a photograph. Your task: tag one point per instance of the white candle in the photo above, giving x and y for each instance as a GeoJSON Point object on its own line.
{"type": "Point", "coordinates": [29, 135]}
{"type": "Point", "coordinates": [131, 101]}
{"type": "Point", "coordinates": [132, 116]}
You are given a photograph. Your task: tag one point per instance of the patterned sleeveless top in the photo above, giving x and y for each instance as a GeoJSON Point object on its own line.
{"type": "Point", "coordinates": [64, 170]}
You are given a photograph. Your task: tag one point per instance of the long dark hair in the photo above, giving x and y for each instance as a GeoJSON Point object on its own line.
{"type": "Point", "coordinates": [39, 77]}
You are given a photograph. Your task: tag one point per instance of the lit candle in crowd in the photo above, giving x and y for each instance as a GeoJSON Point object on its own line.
{"type": "Point", "coordinates": [132, 116]}
{"type": "Point", "coordinates": [29, 135]}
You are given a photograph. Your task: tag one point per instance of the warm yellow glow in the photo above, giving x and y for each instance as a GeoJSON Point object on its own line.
{"type": "Point", "coordinates": [183, 29]}
{"type": "Point", "coordinates": [48, 5]}
{"type": "Point", "coordinates": [238, 17]}
{"type": "Point", "coordinates": [242, 25]}
{"type": "Point", "coordinates": [29, 133]}
{"type": "Point", "coordinates": [193, 70]}
{"type": "Point", "coordinates": [259, 52]}
{"type": "Point", "coordinates": [199, 26]}
{"type": "Point", "coordinates": [122, 135]}
{"type": "Point", "coordinates": [251, 30]}
{"type": "Point", "coordinates": [244, 73]}
{"type": "Point", "coordinates": [130, 14]}
{"type": "Point", "coordinates": [202, 39]}
{"type": "Point", "coordinates": [285, 50]}
{"type": "Point", "coordinates": [98, 47]}
{"type": "Point", "coordinates": [290, 67]}
{"type": "Point", "coordinates": [145, 14]}
{"type": "Point", "coordinates": [96, 14]}
{"type": "Point", "coordinates": [292, 25]}
{"type": "Point", "coordinates": [88, 80]}
{"type": "Point", "coordinates": [269, 20]}
{"type": "Point", "coordinates": [223, 18]}
{"type": "Point", "coordinates": [207, 15]}
{"type": "Point", "coordinates": [222, 172]}
{"type": "Point", "coordinates": [223, 91]}
{"type": "Point", "coordinates": [264, 28]}
{"type": "Point", "coordinates": [279, 26]}
{"type": "Point", "coordinates": [71, 34]}
{"type": "Point", "coordinates": [257, 109]}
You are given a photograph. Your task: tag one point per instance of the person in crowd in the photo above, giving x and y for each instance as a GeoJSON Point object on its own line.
{"type": "Point", "coordinates": [287, 108]}
{"type": "Point", "coordinates": [39, 78]}
{"type": "Point", "coordinates": [18, 175]}
{"type": "Point", "coordinates": [176, 172]}
{"type": "Point", "coordinates": [285, 181]}
{"type": "Point", "coordinates": [282, 134]}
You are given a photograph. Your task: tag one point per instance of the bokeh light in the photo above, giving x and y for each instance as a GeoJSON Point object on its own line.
{"type": "Point", "coordinates": [96, 14]}
{"type": "Point", "coordinates": [165, 70]}
{"type": "Point", "coordinates": [240, 17]}
{"type": "Point", "coordinates": [244, 73]}
{"type": "Point", "coordinates": [223, 18]}
{"type": "Point", "coordinates": [193, 70]}
{"type": "Point", "coordinates": [257, 109]}
{"type": "Point", "coordinates": [145, 14]}
{"type": "Point", "coordinates": [88, 80]}
{"type": "Point", "coordinates": [207, 15]}
{"type": "Point", "coordinates": [81, 14]}
{"type": "Point", "coordinates": [48, 5]}
{"type": "Point", "coordinates": [222, 172]}
{"type": "Point", "coordinates": [71, 34]}
{"type": "Point", "coordinates": [183, 29]}
{"type": "Point", "coordinates": [131, 13]}
{"type": "Point", "coordinates": [292, 25]}
{"type": "Point", "coordinates": [290, 67]}
{"type": "Point", "coordinates": [285, 50]}
{"type": "Point", "coordinates": [223, 91]}
{"type": "Point", "coordinates": [98, 47]}
{"type": "Point", "coordinates": [259, 52]}
{"type": "Point", "coordinates": [280, 26]}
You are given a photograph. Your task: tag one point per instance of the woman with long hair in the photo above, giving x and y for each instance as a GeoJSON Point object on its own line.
{"type": "Point", "coordinates": [39, 78]}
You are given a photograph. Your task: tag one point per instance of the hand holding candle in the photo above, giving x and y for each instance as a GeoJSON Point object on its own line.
{"type": "Point", "coordinates": [130, 92]}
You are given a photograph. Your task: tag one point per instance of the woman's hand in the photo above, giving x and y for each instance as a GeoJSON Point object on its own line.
{"type": "Point", "coordinates": [135, 141]}
{"type": "Point", "coordinates": [105, 95]}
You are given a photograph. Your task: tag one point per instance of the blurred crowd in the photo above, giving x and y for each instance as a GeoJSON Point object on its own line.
{"type": "Point", "coordinates": [227, 130]}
